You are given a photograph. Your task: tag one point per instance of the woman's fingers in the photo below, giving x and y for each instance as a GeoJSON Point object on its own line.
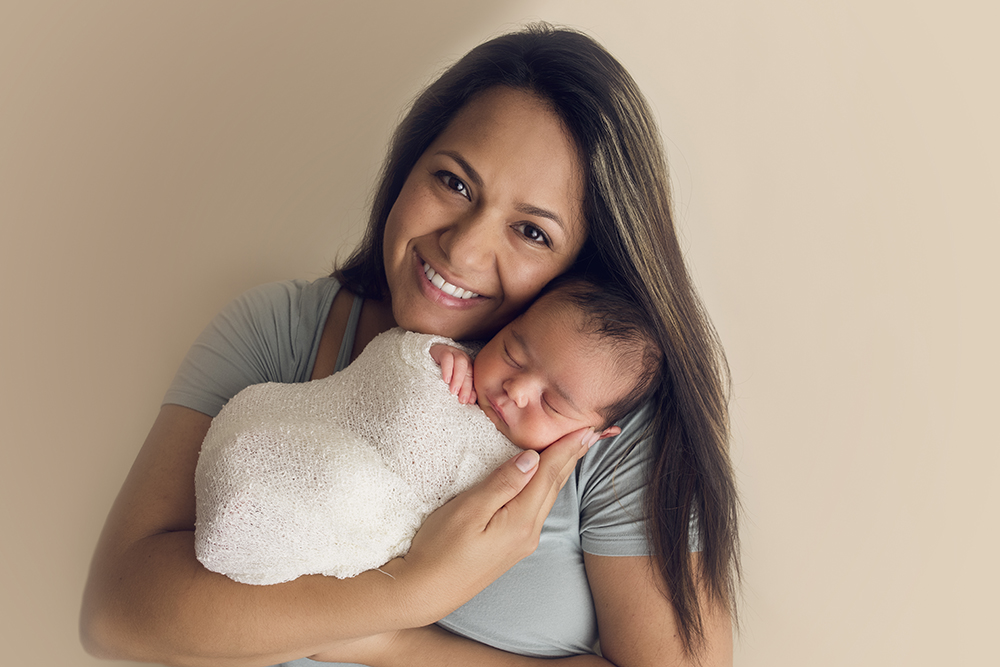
{"type": "Point", "coordinates": [555, 464]}
{"type": "Point", "coordinates": [458, 551]}
{"type": "Point", "coordinates": [470, 541]}
{"type": "Point", "coordinates": [502, 485]}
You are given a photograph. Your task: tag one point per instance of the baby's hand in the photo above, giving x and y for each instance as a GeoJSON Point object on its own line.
{"type": "Point", "coordinates": [456, 370]}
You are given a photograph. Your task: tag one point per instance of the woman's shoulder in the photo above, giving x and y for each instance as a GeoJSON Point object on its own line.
{"type": "Point", "coordinates": [269, 333]}
{"type": "Point", "coordinates": [287, 299]}
{"type": "Point", "coordinates": [282, 320]}
{"type": "Point", "coordinates": [611, 483]}
{"type": "Point", "coordinates": [626, 454]}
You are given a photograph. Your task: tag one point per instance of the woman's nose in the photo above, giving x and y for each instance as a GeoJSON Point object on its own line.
{"type": "Point", "coordinates": [470, 240]}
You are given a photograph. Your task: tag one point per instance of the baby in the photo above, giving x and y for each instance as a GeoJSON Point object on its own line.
{"type": "Point", "coordinates": [335, 476]}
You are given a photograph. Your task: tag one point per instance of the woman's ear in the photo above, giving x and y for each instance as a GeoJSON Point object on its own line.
{"type": "Point", "coordinates": [609, 432]}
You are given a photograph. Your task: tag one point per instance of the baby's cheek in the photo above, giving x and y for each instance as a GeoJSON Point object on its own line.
{"type": "Point", "coordinates": [535, 438]}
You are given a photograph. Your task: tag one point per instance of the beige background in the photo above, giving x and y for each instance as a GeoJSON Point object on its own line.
{"type": "Point", "coordinates": [836, 183]}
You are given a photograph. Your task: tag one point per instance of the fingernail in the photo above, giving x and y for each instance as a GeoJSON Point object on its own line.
{"type": "Point", "coordinates": [590, 438]}
{"type": "Point", "coordinates": [526, 460]}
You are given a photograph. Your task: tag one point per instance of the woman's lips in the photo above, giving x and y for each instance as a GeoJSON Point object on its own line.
{"type": "Point", "coordinates": [426, 277]}
{"type": "Point", "coordinates": [451, 290]}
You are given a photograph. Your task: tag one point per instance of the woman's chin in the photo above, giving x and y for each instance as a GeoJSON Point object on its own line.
{"type": "Point", "coordinates": [466, 324]}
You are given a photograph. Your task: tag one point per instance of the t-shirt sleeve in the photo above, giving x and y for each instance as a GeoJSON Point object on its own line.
{"type": "Point", "coordinates": [267, 334]}
{"type": "Point", "coordinates": [613, 481]}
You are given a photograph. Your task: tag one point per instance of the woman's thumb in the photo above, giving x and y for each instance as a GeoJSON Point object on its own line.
{"type": "Point", "coordinates": [508, 480]}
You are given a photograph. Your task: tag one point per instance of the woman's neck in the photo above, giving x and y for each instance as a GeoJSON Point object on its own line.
{"type": "Point", "coordinates": [376, 317]}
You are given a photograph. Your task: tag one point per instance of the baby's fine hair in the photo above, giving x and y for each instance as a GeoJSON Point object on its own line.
{"type": "Point", "coordinates": [614, 316]}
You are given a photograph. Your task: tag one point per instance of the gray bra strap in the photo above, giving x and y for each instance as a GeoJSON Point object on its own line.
{"type": "Point", "coordinates": [350, 331]}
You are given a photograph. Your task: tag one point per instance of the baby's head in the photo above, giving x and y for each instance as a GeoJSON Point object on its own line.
{"type": "Point", "coordinates": [580, 356]}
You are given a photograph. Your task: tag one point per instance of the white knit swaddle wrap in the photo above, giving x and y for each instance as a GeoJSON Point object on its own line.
{"type": "Point", "coordinates": [335, 476]}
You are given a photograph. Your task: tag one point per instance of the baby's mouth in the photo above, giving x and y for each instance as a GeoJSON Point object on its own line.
{"type": "Point", "coordinates": [496, 410]}
{"type": "Point", "coordinates": [445, 286]}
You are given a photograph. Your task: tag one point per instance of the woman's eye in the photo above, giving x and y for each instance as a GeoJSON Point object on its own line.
{"type": "Point", "coordinates": [534, 234]}
{"type": "Point", "coordinates": [453, 182]}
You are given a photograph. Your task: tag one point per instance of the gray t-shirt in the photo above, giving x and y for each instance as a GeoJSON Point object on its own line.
{"type": "Point", "coordinates": [542, 607]}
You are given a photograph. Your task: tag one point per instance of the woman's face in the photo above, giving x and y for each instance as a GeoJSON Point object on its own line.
{"type": "Point", "coordinates": [489, 214]}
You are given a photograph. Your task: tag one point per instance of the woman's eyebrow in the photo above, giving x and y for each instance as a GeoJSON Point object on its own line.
{"type": "Point", "coordinates": [477, 180]}
{"type": "Point", "coordinates": [473, 175]}
{"type": "Point", "coordinates": [528, 209]}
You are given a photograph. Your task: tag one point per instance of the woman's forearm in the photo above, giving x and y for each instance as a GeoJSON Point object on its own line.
{"type": "Point", "coordinates": [158, 604]}
{"type": "Point", "coordinates": [148, 598]}
{"type": "Point", "coordinates": [433, 646]}
{"type": "Point", "coordinates": [436, 647]}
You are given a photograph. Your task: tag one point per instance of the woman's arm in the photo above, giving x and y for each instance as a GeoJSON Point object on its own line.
{"type": "Point", "coordinates": [148, 598]}
{"type": "Point", "coordinates": [433, 646]}
{"type": "Point", "coordinates": [636, 622]}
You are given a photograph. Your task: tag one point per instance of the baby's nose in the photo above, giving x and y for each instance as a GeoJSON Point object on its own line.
{"type": "Point", "coordinates": [517, 391]}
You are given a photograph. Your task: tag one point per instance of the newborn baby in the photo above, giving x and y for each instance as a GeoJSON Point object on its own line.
{"type": "Point", "coordinates": [336, 475]}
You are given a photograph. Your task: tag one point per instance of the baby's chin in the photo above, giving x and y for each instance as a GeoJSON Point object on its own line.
{"type": "Point", "coordinates": [527, 442]}
{"type": "Point", "coordinates": [534, 445]}
{"type": "Point", "coordinates": [523, 442]}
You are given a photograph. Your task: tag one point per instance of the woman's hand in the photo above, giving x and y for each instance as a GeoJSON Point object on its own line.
{"type": "Point", "coordinates": [470, 541]}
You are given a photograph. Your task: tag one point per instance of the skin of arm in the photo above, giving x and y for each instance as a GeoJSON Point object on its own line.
{"type": "Point", "coordinates": [435, 647]}
{"type": "Point", "coordinates": [636, 622]}
{"type": "Point", "coordinates": [148, 598]}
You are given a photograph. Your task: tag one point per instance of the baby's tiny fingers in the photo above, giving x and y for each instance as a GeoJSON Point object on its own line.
{"type": "Point", "coordinates": [448, 369]}
{"type": "Point", "coordinates": [456, 381]}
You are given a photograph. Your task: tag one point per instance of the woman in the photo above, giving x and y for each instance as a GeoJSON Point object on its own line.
{"type": "Point", "coordinates": [532, 155]}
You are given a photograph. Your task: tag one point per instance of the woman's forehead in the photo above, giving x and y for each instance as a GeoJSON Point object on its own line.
{"type": "Point", "coordinates": [504, 130]}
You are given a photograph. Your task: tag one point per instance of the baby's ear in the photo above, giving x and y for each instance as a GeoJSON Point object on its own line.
{"type": "Point", "coordinates": [610, 432]}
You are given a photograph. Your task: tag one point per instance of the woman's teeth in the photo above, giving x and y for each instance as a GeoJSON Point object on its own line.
{"type": "Point", "coordinates": [446, 286]}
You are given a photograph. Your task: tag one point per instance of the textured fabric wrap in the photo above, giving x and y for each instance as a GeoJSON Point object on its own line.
{"type": "Point", "coordinates": [335, 476]}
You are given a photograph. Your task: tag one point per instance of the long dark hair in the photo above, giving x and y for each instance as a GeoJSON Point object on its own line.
{"type": "Point", "coordinates": [632, 243]}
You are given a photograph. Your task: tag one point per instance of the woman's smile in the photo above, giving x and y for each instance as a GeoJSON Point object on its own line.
{"type": "Point", "coordinates": [451, 290]}
{"type": "Point", "coordinates": [441, 292]}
